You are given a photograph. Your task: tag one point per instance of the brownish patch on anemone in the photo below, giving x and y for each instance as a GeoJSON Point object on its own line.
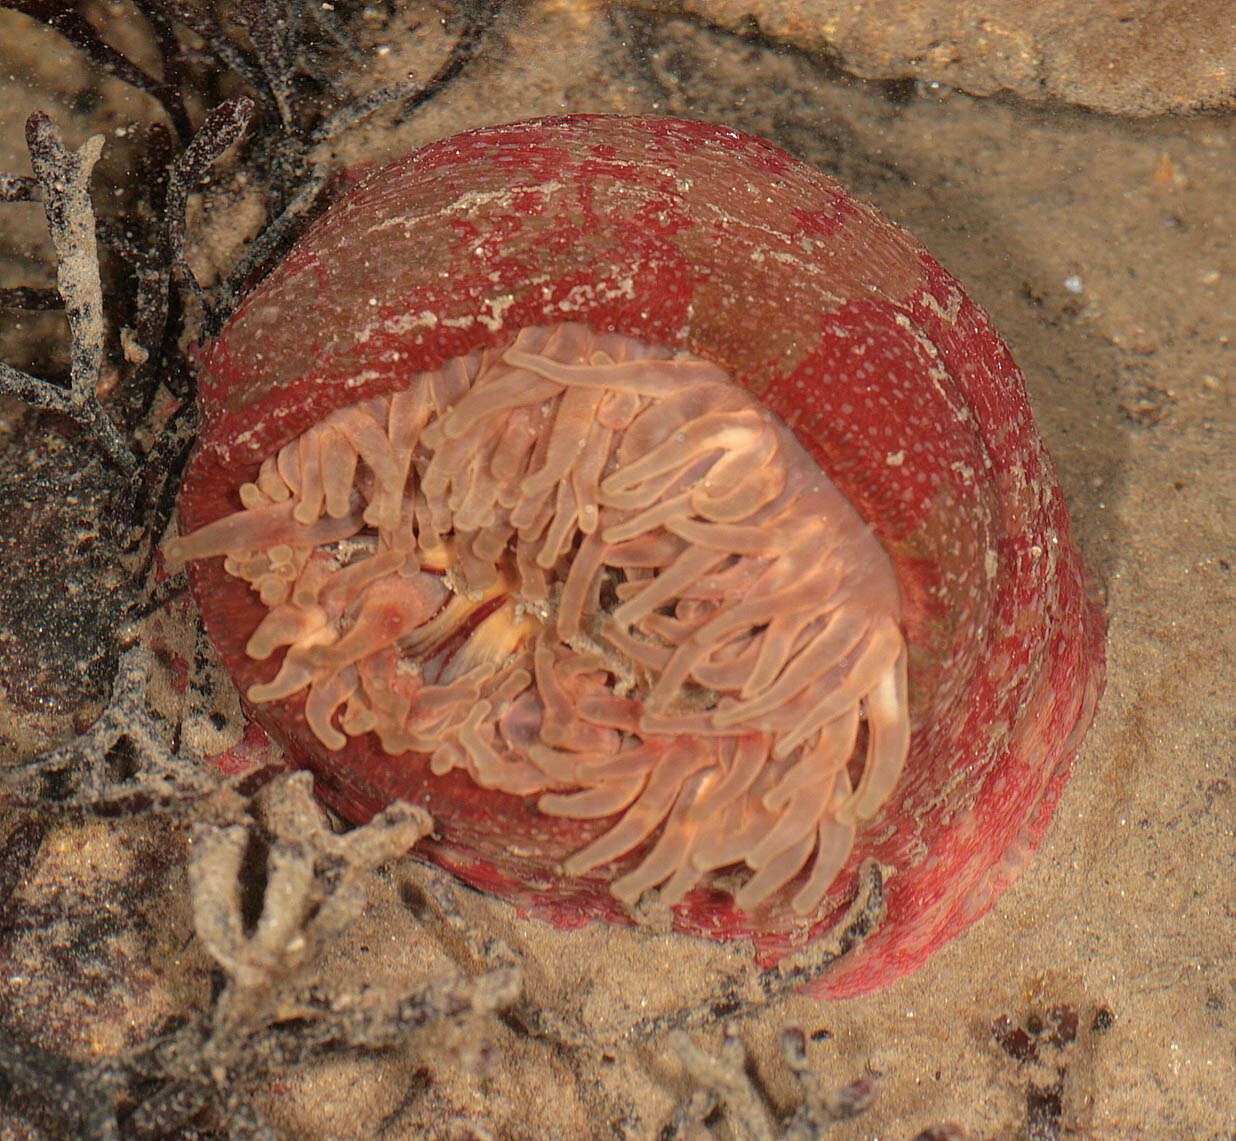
{"type": "Point", "coordinates": [582, 568]}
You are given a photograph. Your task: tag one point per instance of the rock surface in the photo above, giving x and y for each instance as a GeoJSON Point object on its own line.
{"type": "Point", "coordinates": [1131, 57]}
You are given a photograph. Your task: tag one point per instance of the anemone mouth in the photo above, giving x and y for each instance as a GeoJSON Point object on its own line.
{"type": "Point", "coordinates": [587, 569]}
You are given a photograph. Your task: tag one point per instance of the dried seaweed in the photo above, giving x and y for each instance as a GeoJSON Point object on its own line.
{"type": "Point", "coordinates": [152, 240]}
{"type": "Point", "coordinates": [746, 996]}
{"type": "Point", "coordinates": [267, 1018]}
{"type": "Point", "coordinates": [270, 884]}
{"type": "Point", "coordinates": [220, 45]}
{"type": "Point", "coordinates": [434, 898]}
{"type": "Point", "coordinates": [360, 109]}
{"type": "Point", "coordinates": [478, 19]}
{"type": "Point", "coordinates": [311, 891]}
{"type": "Point", "coordinates": [152, 249]}
{"type": "Point", "coordinates": [279, 32]}
{"type": "Point", "coordinates": [222, 128]}
{"type": "Point", "coordinates": [65, 178]}
{"type": "Point", "coordinates": [861, 919]}
{"type": "Point", "coordinates": [275, 31]}
{"type": "Point", "coordinates": [75, 28]}
{"type": "Point", "coordinates": [124, 762]}
{"type": "Point", "coordinates": [262, 249]}
{"type": "Point", "coordinates": [145, 314]}
{"type": "Point", "coordinates": [577, 1053]}
{"type": "Point", "coordinates": [476, 22]}
{"type": "Point", "coordinates": [726, 1085]}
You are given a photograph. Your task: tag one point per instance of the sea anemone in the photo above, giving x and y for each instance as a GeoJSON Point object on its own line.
{"type": "Point", "coordinates": [597, 482]}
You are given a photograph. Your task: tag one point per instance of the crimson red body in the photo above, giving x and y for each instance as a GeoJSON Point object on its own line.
{"type": "Point", "coordinates": [697, 237]}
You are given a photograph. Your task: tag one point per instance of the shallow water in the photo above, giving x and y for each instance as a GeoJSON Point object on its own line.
{"type": "Point", "coordinates": [1102, 247]}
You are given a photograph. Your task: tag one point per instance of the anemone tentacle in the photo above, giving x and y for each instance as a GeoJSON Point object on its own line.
{"type": "Point", "coordinates": [596, 572]}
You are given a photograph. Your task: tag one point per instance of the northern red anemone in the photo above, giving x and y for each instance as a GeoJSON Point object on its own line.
{"type": "Point", "coordinates": [665, 521]}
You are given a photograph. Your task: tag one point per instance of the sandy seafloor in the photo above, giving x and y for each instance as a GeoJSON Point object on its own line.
{"type": "Point", "coordinates": [1105, 250]}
